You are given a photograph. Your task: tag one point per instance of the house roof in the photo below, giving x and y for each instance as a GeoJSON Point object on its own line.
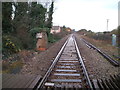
{"type": "Point", "coordinates": [55, 27]}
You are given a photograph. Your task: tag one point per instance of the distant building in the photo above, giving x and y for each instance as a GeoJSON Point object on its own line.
{"type": "Point", "coordinates": [68, 29]}
{"type": "Point", "coordinates": [55, 29]}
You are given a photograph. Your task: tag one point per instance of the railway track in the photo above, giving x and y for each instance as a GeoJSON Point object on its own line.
{"type": "Point", "coordinates": [108, 84]}
{"type": "Point", "coordinates": [109, 58]}
{"type": "Point", "coordinates": [67, 70]}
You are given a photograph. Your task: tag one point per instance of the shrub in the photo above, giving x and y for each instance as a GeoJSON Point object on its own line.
{"type": "Point", "coordinates": [9, 47]}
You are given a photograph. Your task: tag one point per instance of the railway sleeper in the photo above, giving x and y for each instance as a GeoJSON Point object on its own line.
{"type": "Point", "coordinates": [108, 84]}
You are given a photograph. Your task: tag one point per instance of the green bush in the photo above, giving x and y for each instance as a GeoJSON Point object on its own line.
{"type": "Point", "coordinates": [53, 38]}
{"type": "Point", "coordinates": [103, 37]}
{"type": "Point", "coordinates": [36, 30]}
{"type": "Point", "coordinates": [100, 36]}
{"type": "Point", "coordinates": [10, 46]}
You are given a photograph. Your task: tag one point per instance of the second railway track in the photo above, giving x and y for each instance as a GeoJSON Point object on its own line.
{"type": "Point", "coordinates": [67, 70]}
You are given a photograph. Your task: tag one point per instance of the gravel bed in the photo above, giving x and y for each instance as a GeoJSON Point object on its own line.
{"type": "Point", "coordinates": [97, 66]}
{"type": "Point", "coordinates": [40, 63]}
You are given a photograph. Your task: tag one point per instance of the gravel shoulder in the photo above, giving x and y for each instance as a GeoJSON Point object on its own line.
{"type": "Point", "coordinates": [97, 66]}
{"type": "Point", "coordinates": [40, 63]}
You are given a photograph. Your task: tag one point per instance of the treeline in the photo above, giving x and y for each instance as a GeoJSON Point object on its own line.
{"type": "Point", "coordinates": [106, 35]}
{"type": "Point", "coordinates": [19, 21]}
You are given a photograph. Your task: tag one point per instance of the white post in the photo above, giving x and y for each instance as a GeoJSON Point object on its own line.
{"type": "Point", "coordinates": [113, 40]}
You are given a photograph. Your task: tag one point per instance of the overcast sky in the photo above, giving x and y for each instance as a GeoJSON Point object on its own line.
{"type": "Point", "coordinates": [86, 14]}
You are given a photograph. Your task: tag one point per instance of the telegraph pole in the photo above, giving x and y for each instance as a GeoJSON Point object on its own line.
{"type": "Point", "coordinates": [107, 24]}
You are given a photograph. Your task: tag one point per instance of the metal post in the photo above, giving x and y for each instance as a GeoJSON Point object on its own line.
{"type": "Point", "coordinates": [107, 24]}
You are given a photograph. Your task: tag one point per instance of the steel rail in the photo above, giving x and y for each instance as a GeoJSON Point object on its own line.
{"type": "Point", "coordinates": [40, 85]}
{"type": "Point", "coordinates": [52, 65]}
{"type": "Point", "coordinates": [84, 68]}
{"type": "Point", "coordinates": [111, 60]}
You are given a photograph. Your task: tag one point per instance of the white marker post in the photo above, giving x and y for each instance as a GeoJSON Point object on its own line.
{"type": "Point", "coordinates": [113, 40]}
